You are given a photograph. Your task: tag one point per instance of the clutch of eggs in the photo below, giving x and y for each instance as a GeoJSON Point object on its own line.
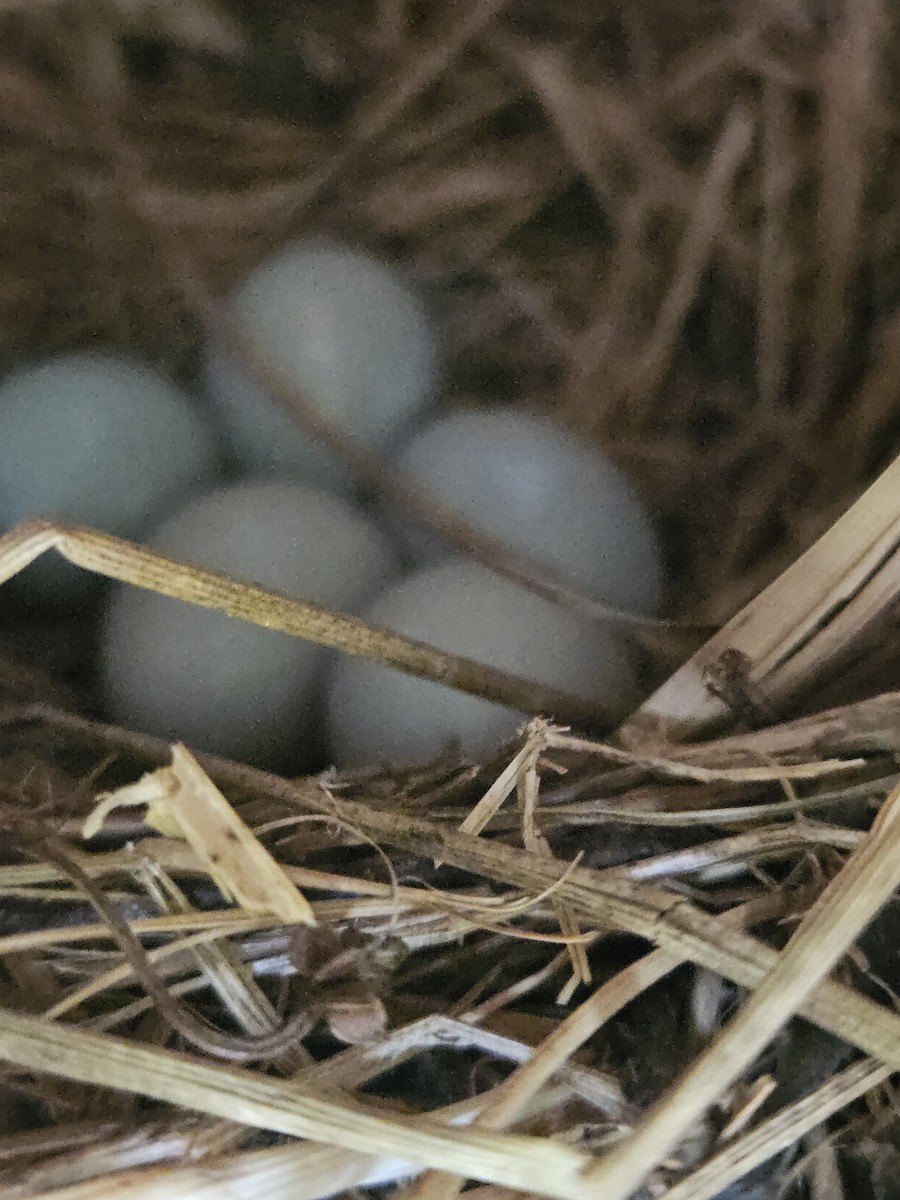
{"type": "Point", "coordinates": [530, 484]}
{"type": "Point", "coordinates": [214, 681]}
{"type": "Point", "coordinates": [110, 443]}
{"type": "Point", "coordinates": [340, 328]}
{"type": "Point", "coordinates": [101, 440]}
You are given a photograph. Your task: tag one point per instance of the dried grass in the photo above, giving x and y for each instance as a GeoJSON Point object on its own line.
{"type": "Point", "coordinates": [676, 226]}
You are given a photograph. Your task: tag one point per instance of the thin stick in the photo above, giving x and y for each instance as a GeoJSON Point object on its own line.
{"type": "Point", "coordinates": [778, 178]}
{"type": "Point", "coordinates": [43, 843]}
{"type": "Point", "coordinates": [868, 726]}
{"type": "Point", "coordinates": [129, 563]}
{"type": "Point", "coordinates": [704, 226]}
{"type": "Point", "coordinates": [425, 65]}
{"type": "Point", "coordinates": [783, 1129]}
{"type": "Point", "coordinates": [669, 921]}
{"type": "Point", "coordinates": [301, 1170]}
{"type": "Point", "coordinates": [530, 1163]}
{"type": "Point", "coordinates": [666, 920]}
{"type": "Point", "coordinates": [797, 626]}
{"type": "Point", "coordinates": [512, 1097]}
{"type": "Point", "coordinates": [853, 897]}
{"type": "Point", "coordinates": [676, 769]}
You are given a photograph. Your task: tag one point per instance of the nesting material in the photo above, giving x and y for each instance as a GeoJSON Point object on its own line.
{"type": "Point", "coordinates": [675, 226]}
{"type": "Point", "coordinates": [216, 683]}
{"type": "Point", "coordinates": [343, 330]}
{"type": "Point", "coordinates": [375, 712]}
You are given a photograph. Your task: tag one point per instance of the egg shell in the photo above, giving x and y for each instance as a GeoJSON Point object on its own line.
{"type": "Point", "coordinates": [375, 713]}
{"type": "Point", "coordinates": [346, 332]}
{"type": "Point", "coordinates": [101, 440]}
{"type": "Point", "coordinates": [530, 483]}
{"type": "Point", "coordinates": [216, 682]}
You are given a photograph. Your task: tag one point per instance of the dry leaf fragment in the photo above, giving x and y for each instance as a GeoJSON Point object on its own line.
{"type": "Point", "coordinates": [356, 1021]}
{"type": "Point", "coordinates": [182, 801]}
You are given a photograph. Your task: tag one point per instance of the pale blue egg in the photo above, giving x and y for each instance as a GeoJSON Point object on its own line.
{"type": "Point", "coordinates": [99, 440]}
{"type": "Point", "coordinates": [375, 713]}
{"type": "Point", "coordinates": [341, 328]}
{"type": "Point", "coordinates": [530, 483]}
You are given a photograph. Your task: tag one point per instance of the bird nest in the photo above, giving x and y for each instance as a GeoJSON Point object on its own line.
{"type": "Point", "coordinates": [646, 961]}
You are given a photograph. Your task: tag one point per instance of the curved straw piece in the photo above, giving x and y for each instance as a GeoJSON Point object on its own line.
{"type": "Point", "coordinates": [793, 631]}
{"type": "Point", "coordinates": [130, 563]}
